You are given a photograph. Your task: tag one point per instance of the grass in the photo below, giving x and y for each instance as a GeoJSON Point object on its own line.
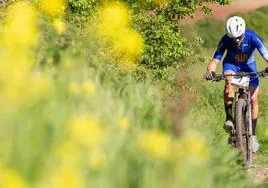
{"type": "Point", "coordinates": [89, 123]}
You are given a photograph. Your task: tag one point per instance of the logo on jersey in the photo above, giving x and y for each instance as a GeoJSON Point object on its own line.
{"type": "Point", "coordinates": [241, 57]}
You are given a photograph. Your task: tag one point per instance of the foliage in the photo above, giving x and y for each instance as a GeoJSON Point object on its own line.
{"type": "Point", "coordinates": [164, 45]}
{"type": "Point", "coordinates": [82, 7]}
{"type": "Point", "coordinates": [73, 120]}
{"type": "Point", "coordinates": [157, 21]}
{"type": "Point", "coordinates": [212, 30]}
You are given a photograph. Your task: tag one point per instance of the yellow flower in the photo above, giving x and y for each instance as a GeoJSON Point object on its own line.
{"type": "Point", "coordinates": [53, 7]}
{"type": "Point", "coordinates": [129, 42]}
{"type": "Point", "coordinates": [12, 94]}
{"type": "Point", "coordinates": [155, 143]}
{"type": "Point", "coordinates": [67, 153]}
{"type": "Point", "coordinates": [124, 45]}
{"type": "Point", "coordinates": [21, 25]}
{"type": "Point", "coordinates": [86, 130]}
{"type": "Point", "coordinates": [97, 160]}
{"type": "Point", "coordinates": [88, 88]}
{"type": "Point", "coordinates": [194, 147]}
{"type": "Point", "coordinates": [11, 179]}
{"type": "Point", "coordinates": [114, 17]}
{"type": "Point", "coordinates": [127, 63]}
{"type": "Point", "coordinates": [59, 26]}
{"type": "Point", "coordinates": [122, 123]}
{"type": "Point", "coordinates": [74, 88]}
{"type": "Point", "coordinates": [65, 177]}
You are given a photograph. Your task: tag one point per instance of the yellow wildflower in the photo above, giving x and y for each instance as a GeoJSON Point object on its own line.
{"type": "Point", "coordinates": [59, 26]}
{"type": "Point", "coordinates": [74, 88]}
{"type": "Point", "coordinates": [65, 177]}
{"type": "Point", "coordinates": [12, 94]}
{"type": "Point", "coordinates": [129, 42]}
{"type": "Point", "coordinates": [88, 88]}
{"type": "Point", "coordinates": [21, 25]}
{"type": "Point", "coordinates": [122, 123]}
{"type": "Point", "coordinates": [155, 143]}
{"type": "Point", "coordinates": [97, 160]}
{"type": "Point", "coordinates": [67, 153]}
{"type": "Point", "coordinates": [127, 63]}
{"type": "Point", "coordinates": [194, 147]}
{"type": "Point", "coordinates": [53, 7]}
{"type": "Point", "coordinates": [86, 130]}
{"type": "Point", "coordinates": [114, 17]}
{"type": "Point", "coordinates": [11, 179]}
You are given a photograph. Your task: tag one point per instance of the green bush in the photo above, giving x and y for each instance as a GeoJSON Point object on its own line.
{"type": "Point", "coordinates": [164, 45]}
{"type": "Point", "coordinates": [82, 7]}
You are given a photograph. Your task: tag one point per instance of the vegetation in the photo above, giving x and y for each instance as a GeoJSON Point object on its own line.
{"type": "Point", "coordinates": [106, 94]}
{"type": "Point", "coordinates": [212, 30]}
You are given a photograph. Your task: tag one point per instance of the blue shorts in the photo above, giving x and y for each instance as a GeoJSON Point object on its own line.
{"type": "Point", "coordinates": [254, 81]}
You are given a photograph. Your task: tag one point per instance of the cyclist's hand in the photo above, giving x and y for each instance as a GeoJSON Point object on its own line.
{"type": "Point", "coordinates": [210, 75]}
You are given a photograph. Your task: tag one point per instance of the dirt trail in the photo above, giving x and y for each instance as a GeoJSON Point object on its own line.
{"type": "Point", "coordinates": [221, 12]}
{"type": "Point", "coordinates": [261, 172]}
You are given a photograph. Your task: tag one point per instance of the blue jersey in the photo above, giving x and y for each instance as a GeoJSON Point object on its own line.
{"type": "Point", "coordinates": [244, 55]}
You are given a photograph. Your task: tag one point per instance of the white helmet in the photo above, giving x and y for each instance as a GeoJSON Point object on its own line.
{"type": "Point", "coordinates": [235, 26]}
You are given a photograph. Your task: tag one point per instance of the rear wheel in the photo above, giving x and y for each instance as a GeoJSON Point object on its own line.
{"type": "Point", "coordinates": [240, 131]}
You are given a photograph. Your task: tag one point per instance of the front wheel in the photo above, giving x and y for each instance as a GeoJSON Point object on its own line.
{"type": "Point", "coordinates": [240, 131]}
{"type": "Point", "coordinates": [249, 134]}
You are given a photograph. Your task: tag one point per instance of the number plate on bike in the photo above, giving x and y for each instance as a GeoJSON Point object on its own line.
{"type": "Point", "coordinates": [240, 81]}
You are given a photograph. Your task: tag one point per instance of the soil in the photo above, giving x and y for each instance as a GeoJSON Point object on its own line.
{"type": "Point", "coordinates": [260, 172]}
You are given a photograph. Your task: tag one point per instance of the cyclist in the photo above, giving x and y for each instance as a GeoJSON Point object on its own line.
{"type": "Point", "coordinates": [240, 45]}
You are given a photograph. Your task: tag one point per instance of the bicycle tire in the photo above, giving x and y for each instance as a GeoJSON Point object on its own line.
{"type": "Point", "coordinates": [249, 134]}
{"type": "Point", "coordinates": [240, 129]}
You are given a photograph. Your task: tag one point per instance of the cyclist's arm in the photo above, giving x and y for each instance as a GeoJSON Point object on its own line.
{"type": "Point", "coordinates": [218, 55]}
{"type": "Point", "coordinates": [212, 65]}
{"type": "Point", "coordinates": [261, 47]}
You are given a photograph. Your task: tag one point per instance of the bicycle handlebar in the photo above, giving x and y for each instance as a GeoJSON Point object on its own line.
{"type": "Point", "coordinates": [259, 74]}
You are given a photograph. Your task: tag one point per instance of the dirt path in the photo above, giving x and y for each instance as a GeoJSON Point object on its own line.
{"type": "Point", "coordinates": [221, 12]}
{"type": "Point", "coordinates": [260, 172]}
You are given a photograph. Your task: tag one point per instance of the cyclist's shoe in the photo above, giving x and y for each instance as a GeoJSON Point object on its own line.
{"type": "Point", "coordinates": [228, 126]}
{"type": "Point", "coordinates": [255, 144]}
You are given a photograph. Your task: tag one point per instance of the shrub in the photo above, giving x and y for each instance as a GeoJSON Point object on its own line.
{"type": "Point", "coordinates": [164, 45]}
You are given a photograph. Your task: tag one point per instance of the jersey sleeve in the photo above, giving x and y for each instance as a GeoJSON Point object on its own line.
{"type": "Point", "coordinates": [221, 49]}
{"type": "Point", "coordinates": [258, 42]}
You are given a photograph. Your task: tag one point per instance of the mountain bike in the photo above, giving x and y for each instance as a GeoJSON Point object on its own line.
{"type": "Point", "coordinates": [242, 133]}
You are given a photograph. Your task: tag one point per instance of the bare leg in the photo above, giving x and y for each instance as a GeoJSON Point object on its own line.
{"type": "Point", "coordinates": [228, 97]}
{"type": "Point", "coordinates": [255, 108]}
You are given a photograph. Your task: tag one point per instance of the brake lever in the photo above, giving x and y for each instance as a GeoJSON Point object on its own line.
{"type": "Point", "coordinates": [262, 74]}
{"type": "Point", "coordinates": [218, 78]}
